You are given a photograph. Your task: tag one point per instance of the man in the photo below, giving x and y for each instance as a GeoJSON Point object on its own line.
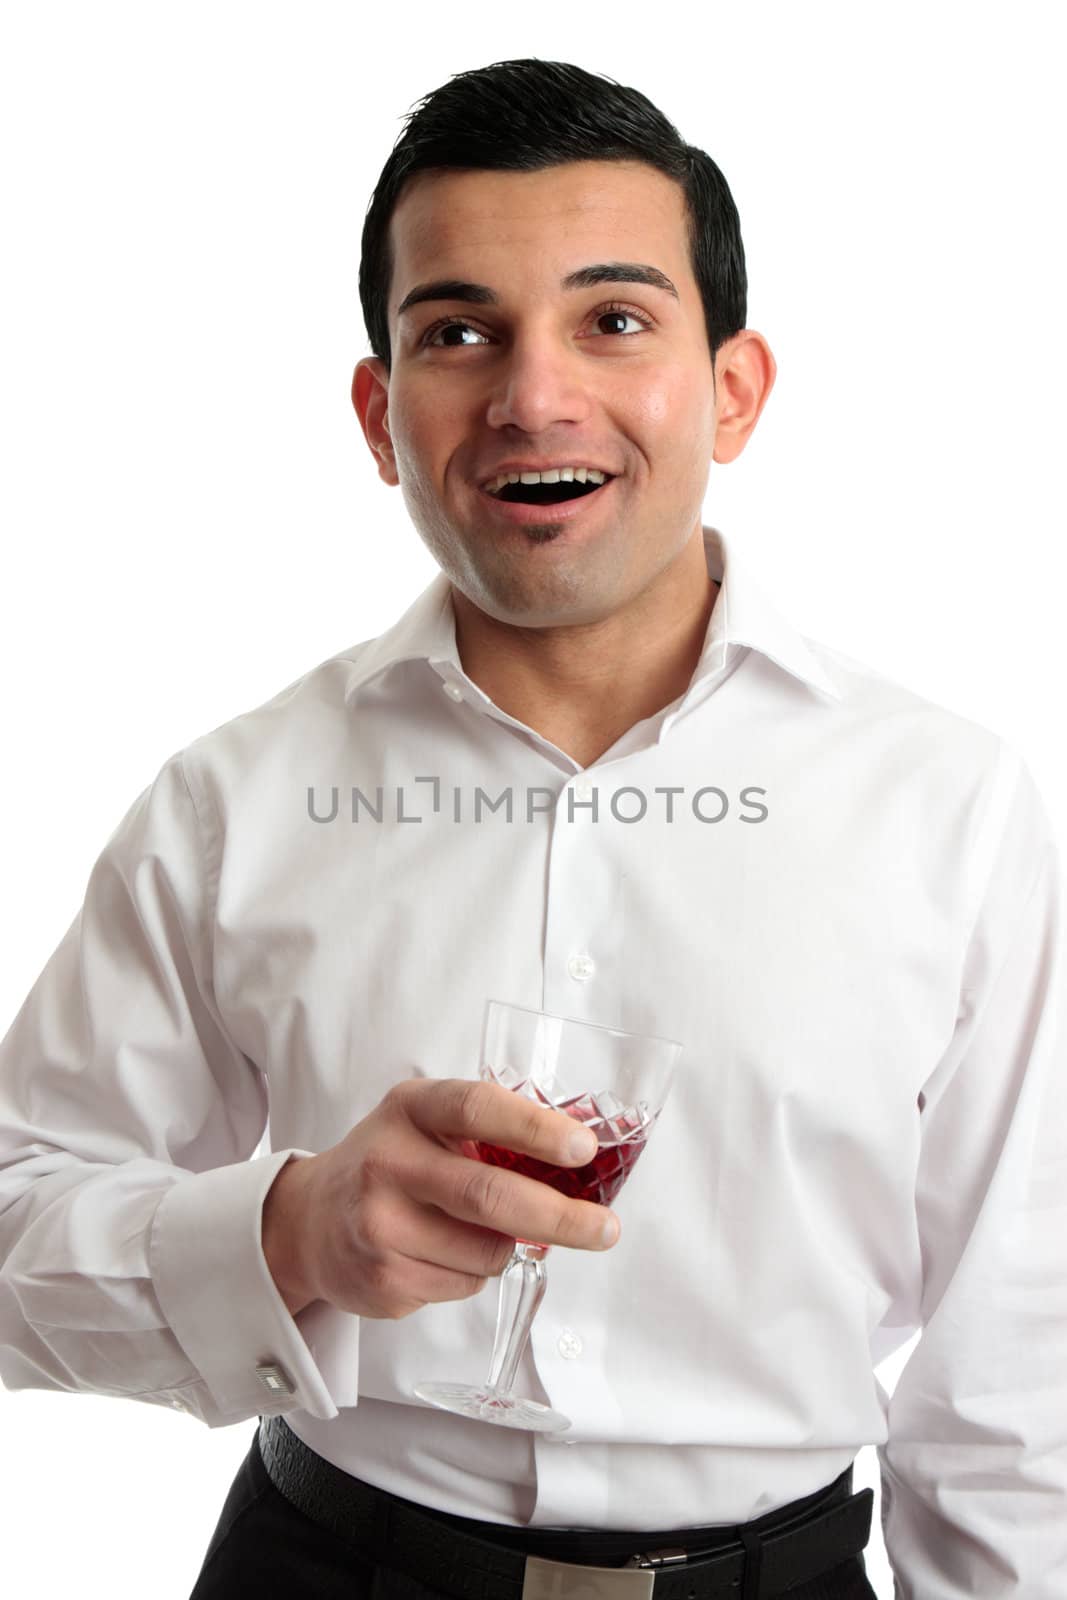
{"type": "Point", "coordinates": [591, 770]}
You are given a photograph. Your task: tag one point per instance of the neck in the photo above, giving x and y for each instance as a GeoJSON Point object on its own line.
{"type": "Point", "coordinates": [583, 686]}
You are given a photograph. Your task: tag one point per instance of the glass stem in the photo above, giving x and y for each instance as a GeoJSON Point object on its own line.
{"type": "Point", "coordinates": [522, 1288]}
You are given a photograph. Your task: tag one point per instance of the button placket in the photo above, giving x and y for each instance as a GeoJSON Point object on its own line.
{"type": "Point", "coordinates": [584, 931]}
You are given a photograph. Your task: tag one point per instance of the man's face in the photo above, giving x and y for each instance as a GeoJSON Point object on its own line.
{"type": "Point", "coordinates": [616, 375]}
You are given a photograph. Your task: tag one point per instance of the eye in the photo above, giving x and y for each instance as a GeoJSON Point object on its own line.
{"type": "Point", "coordinates": [613, 310]}
{"type": "Point", "coordinates": [440, 327]}
{"type": "Point", "coordinates": [625, 312]}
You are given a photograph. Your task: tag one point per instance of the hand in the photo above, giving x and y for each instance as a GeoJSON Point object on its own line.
{"type": "Point", "coordinates": [400, 1213]}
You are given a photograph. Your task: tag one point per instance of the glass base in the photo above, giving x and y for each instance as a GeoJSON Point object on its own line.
{"type": "Point", "coordinates": [485, 1405]}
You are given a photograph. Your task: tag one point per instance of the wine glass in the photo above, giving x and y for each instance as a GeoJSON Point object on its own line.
{"type": "Point", "coordinates": [614, 1082]}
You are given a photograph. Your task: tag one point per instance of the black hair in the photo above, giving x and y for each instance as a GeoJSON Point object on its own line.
{"type": "Point", "coordinates": [525, 115]}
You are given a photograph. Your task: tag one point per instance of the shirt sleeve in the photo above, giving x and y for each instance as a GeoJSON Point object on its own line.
{"type": "Point", "coordinates": [131, 1261]}
{"type": "Point", "coordinates": [974, 1469]}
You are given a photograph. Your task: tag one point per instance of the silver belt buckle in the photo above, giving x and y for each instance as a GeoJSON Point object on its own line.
{"type": "Point", "coordinates": [566, 1580]}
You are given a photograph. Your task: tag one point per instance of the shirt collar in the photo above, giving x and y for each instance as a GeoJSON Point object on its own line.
{"type": "Point", "coordinates": [743, 615]}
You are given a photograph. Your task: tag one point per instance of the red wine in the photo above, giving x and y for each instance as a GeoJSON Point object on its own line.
{"type": "Point", "coordinates": [599, 1180]}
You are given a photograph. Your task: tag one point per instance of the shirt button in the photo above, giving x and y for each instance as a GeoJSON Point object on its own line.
{"type": "Point", "coordinates": [453, 690]}
{"type": "Point", "coordinates": [569, 1345]}
{"type": "Point", "coordinates": [179, 1405]}
{"type": "Point", "coordinates": [583, 789]}
{"type": "Point", "coordinates": [581, 967]}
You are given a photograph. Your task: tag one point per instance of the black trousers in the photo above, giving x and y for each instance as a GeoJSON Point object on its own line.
{"type": "Point", "coordinates": [263, 1547]}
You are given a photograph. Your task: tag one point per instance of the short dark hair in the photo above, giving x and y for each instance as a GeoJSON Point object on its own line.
{"type": "Point", "coordinates": [525, 115]}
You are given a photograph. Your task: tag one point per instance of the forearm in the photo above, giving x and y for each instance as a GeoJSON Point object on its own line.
{"type": "Point", "coordinates": [78, 1312]}
{"type": "Point", "coordinates": [975, 1466]}
{"type": "Point", "coordinates": [145, 1282]}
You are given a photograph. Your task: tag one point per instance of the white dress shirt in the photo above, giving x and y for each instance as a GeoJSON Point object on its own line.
{"type": "Point", "coordinates": [844, 900]}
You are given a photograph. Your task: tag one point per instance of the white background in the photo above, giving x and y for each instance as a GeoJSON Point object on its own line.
{"type": "Point", "coordinates": [192, 518]}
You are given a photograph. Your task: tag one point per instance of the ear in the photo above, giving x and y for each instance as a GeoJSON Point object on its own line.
{"type": "Point", "coordinates": [745, 371]}
{"type": "Point", "coordinates": [370, 397]}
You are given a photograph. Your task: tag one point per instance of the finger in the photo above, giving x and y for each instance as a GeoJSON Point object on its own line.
{"type": "Point", "coordinates": [467, 1109]}
{"type": "Point", "coordinates": [510, 1203]}
{"type": "Point", "coordinates": [425, 1233]}
{"type": "Point", "coordinates": [403, 1284]}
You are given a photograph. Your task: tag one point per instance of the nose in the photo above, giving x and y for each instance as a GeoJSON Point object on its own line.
{"type": "Point", "coordinates": [540, 383]}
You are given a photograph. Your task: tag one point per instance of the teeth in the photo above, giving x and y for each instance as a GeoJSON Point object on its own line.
{"type": "Point", "coordinates": [551, 475]}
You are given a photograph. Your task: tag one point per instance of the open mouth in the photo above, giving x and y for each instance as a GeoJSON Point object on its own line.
{"type": "Point", "coordinates": [546, 494]}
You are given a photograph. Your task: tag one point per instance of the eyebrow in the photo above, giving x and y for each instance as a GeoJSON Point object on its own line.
{"type": "Point", "coordinates": [480, 294]}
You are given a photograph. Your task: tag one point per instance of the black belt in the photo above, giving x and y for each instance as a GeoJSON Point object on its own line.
{"type": "Point", "coordinates": [747, 1562]}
